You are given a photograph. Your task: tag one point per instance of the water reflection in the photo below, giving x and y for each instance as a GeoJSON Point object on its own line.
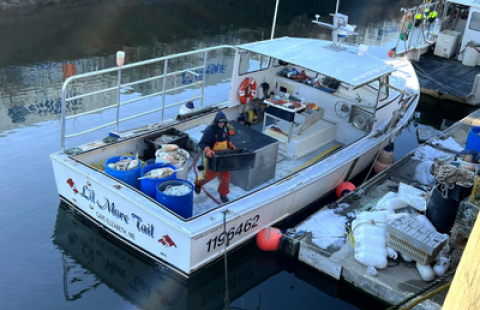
{"type": "Point", "coordinates": [72, 38]}
{"type": "Point", "coordinates": [440, 115]}
{"type": "Point", "coordinates": [35, 91]}
{"type": "Point", "coordinates": [91, 259]}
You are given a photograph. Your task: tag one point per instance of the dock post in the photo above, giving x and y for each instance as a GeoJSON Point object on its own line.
{"type": "Point", "coordinates": [464, 292]}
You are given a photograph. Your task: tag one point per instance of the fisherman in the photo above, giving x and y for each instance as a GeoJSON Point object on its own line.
{"type": "Point", "coordinates": [215, 138]}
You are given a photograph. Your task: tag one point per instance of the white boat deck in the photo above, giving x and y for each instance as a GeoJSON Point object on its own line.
{"type": "Point", "coordinates": [321, 140]}
{"type": "Point", "coordinates": [285, 166]}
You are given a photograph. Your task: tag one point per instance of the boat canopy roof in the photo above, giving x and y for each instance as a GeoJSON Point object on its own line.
{"type": "Point", "coordinates": [473, 3]}
{"type": "Point", "coordinates": [312, 54]}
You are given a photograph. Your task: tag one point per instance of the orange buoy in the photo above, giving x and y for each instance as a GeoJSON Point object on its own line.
{"type": "Point", "coordinates": [391, 53]}
{"type": "Point", "coordinates": [247, 91]}
{"type": "Point", "coordinates": [344, 188]}
{"type": "Point", "coordinates": [268, 239]}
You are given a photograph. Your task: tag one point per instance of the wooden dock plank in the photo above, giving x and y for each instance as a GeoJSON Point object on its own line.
{"type": "Point", "coordinates": [311, 256]}
{"type": "Point", "coordinates": [465, 290]}
{"type": "Point", "coordinates": [393, 284]}
{"type": "Point", "coordinates": [398, 282]}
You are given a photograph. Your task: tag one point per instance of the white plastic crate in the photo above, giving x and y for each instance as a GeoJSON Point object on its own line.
{"type": "Point", "coordinates": [412, 196]}
{"type": "Point", "coordinates": [415, 240]}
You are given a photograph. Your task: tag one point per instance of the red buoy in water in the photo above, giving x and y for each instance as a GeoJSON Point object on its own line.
{"type": "Point", "coordinates": [344, 188]}
{"type": "Point", "coordinates": [268, 239]}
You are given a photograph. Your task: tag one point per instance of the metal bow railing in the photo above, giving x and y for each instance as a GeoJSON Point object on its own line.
{"type": "Point", "coordinates": [119, 86]}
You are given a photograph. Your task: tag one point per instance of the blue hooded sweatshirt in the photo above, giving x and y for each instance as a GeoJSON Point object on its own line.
{"type": "Point", "coordinates": [213, 133]}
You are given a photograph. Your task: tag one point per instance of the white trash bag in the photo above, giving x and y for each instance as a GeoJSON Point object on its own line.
{"type": "Point", "coordinates": [422, 173]}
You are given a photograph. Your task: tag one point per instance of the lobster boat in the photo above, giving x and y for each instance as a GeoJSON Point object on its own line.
{"type": "Point", "coordinates": [304, 114]}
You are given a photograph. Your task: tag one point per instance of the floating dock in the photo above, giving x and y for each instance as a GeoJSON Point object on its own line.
{"type": "Point", "coordinates": [448, 79]}
{"type": "Point", "coordinates": [400, 280]}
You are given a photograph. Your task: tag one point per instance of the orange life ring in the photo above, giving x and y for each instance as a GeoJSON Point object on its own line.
{"type": "Point", "coordinates": [248, 90]}
{"type": "Point", "coordinates": [391, 53]}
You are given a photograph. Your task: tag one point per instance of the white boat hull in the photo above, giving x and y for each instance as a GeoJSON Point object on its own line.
{"type": "Point", "coordinates": [188, 246]}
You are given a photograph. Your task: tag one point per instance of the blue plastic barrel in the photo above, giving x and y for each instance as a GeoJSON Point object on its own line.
{"type": "Point", "coordinates": [182, 205]}
{"type": "Point", "coordinates": [128, 176]}
{"type": "Point", "coordinates": [150, 161]}
{"type": "Point", "coordinates": [473, 139]}
{"type": "Point", "coordinates": [149, 186]}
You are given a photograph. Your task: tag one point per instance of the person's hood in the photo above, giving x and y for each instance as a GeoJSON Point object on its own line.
{"type": "Point", "coordinates": [220, 115]}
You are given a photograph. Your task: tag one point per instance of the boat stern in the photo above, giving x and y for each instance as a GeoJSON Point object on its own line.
{"type": "Point", "coordinates": [117, 208]}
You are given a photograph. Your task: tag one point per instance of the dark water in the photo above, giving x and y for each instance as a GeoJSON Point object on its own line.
{"type": "Point", "coordinates": [50, 259]}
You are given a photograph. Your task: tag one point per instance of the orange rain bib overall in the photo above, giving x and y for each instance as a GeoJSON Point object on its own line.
{"type": "Point", "coordinates": [208, 175]}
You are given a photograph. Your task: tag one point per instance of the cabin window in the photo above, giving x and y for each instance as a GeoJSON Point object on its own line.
{"type": "Point", "coordinates": [278, 63]}
{"type": "Point", "coordinates": [251, 62]}
{"type": "Point", "coordinates": [475, 21]}
{"type": "Point", "coordinates": [384, 90]}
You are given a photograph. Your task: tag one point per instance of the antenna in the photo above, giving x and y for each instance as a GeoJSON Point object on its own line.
{"type": "Point", "coordinates": [274, 20]}
{"type": "Point", "coordinates": [340, 28]}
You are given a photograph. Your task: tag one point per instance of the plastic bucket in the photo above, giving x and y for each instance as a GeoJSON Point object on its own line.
{"type": "Point", "coordinates": [180, 164]}
{"type": "Point", "coordinates": [441, 211]}
{"type": "Point", "coordinates": [182, 205]}
{"type": "Point", "coordinates": [128, 176]}
{"type": "Point", "coordinates": [150, 161]}
{"type": "Point", "coordinates": [149, 186]}
{"type": "Point", "coordinates": [473, 139]}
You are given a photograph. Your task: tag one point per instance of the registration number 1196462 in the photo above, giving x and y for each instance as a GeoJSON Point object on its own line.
{"type": "Point", "coordinates": [232, 232]}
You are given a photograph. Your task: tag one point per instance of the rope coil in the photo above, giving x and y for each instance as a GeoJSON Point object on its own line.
{"type": "Point", "coordinates": [448, 175]}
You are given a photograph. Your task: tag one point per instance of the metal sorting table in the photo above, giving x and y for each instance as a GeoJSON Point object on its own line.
{"type": "Point", "coordinates": [282, 113]}
{"type": "Point", "coordinates": [265, 148]}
